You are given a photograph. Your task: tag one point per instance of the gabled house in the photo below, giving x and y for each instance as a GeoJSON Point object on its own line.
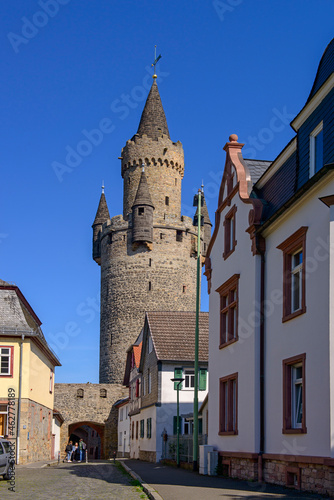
{"type": "Point", "coordinates": [27, 368]}
{"type": "Point", "coordinates": [270, 271]}
{"type": "Point", "coordinates": [168, 351]}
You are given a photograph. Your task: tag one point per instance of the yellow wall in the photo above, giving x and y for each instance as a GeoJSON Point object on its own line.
{"type": "Point", "coordinates": [35, 373]}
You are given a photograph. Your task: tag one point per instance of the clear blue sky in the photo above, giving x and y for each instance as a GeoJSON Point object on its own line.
{"type": "Point", "coordinates": [227, 67]}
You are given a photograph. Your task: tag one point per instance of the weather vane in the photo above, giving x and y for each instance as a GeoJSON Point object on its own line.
{"type": "Point", "coordinates": [156, 59]}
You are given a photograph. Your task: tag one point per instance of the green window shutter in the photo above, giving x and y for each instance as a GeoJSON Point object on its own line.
{"type": "Point", "coordinates": [177, 374]}
{"type": "Point", "coordinates": [202, 380]}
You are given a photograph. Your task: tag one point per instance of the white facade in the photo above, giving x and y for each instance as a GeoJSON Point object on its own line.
{"type": "Point", "coordinates": [123, 430]}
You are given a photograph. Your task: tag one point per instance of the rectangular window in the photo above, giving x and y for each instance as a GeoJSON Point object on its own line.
{"type": "Point", "coordinates": [3, 420]}
{"type": "Point", "coordinates": [121, 414]}
{"type": "Point", "coordinates": [6, 361]}
{"type": "Point", "coordinates": [120, 439]}
{"type": "Point", "coordinates": [178, 235]}
{"type": "Point", "coordinates": [140, 210]}
{"type": "Point", "coordinates": [142, 422]}
{"type": "Point", "coordinates": [149, 382]}
{"type": "Point", "coordinates": [167, 201]}
{"type": "Point", "coordinates": [229, 232]}
{"type": "Point", "coordinates": [149, 427]}
{"type": "Point", "coordinates": [294, 419]}
{"type": "Point", "coordinates": [189, 379]}
{"type": "Point", "coordinates": [229, 310]}
{"type": "Point", "coordinates": [316, 149]}
{"type": "Point", "coordinates": [294, 274]}
{"type": "Point", "coordinates": [228, 404]}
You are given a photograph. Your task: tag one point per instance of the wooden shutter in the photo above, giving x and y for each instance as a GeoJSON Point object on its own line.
{"type": "Point", "coordinates": [202, 380]}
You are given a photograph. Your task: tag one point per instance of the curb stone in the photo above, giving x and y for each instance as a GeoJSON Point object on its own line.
{"type": "Point", "coordinates": [150, 492]}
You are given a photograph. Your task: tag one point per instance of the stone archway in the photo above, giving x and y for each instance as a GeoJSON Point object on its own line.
{"type": "Point", "coordinates": [99, 428]}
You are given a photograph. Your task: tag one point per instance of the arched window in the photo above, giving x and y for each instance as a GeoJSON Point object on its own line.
{"type": "Point", "coordinates": [80, 393]}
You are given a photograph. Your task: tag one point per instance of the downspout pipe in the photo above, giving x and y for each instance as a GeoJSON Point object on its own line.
{"type": "Point", "coordinates": [262, 366]}
{"type": "Point", "coordinates": [19, 404]}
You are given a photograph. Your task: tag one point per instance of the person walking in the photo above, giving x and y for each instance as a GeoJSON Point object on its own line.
{"type": "Point", "coordinates": [82, 447]}
{"type": "Point", "coordinates": [68, 450]}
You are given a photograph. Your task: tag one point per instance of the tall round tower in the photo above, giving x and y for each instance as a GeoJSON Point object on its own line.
{"type": "Point", "coordinates": [148, 254]}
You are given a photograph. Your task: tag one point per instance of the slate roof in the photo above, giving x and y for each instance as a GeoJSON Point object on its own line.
{"type": "Point", "coordinates": [102, 213]}
{"type": "Point", "coordinates": [17, 318]}
{"type": "Point", "coordinates": [143, 194]}
{"type": "Point", "coordinates": [173, 335]}
{"type": "Point", "coordinates": [153, 121]}
{"type": "Point", "coordinates": [325, 69]}
{"type": "Point", "coordinates": [257, 168]}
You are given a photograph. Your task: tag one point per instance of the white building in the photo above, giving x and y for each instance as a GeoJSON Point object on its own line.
{"type": "Point", "coordinates": [167, 351]}
{"type": "Point", "coordinates": [123, 427]}
{"type": "Point", "coordinates": [270, 273]}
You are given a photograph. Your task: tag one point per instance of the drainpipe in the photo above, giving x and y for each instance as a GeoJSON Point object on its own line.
{"type": "Point", "coordinates": [262, 365]}
{"type": "Point", "coordinates": [19, 405]}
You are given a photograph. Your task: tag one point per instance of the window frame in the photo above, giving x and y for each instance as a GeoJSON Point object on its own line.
{"type": "Point", "coordinates": [312, 154]}
{"type": "Point", "coordinates": [189, 378]}
{"type": "Point", "coordinates": [10, 356]}
{"type": "Point", "coordinates": [228, 405]}
{"type": "Point", "coordinates": [142, 429]}
{"type": "Point", "coordinates": [290, 247]}
{"type": "Point", "coordinates": [289, 426]}
{"type": "Point", "coordinates": [229, 223]}
{"type": "Point", "coordinates": [225, 290]}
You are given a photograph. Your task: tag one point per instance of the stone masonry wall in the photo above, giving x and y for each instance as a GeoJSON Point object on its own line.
{"type": "Point", "coordinates": [164, 168]}
{"type": "Point", "coordinates": [135, 281]}
{"type": "Point", "coordinates": [91, 408]}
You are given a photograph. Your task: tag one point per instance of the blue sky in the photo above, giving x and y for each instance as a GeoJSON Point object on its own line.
{"type": "Point", "coordinates": [70, 67]}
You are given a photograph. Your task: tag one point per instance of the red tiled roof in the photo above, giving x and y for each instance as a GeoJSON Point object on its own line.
{"type": "Point", "coordinates": [173, 335]}
{"type": "Point", "coordinates": [137, 353]}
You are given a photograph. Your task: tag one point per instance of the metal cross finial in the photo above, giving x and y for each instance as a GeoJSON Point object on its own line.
{"type": "Point", "coordinates": [156, 59]}
{"type": "Point", "coordinates": [102, 187]}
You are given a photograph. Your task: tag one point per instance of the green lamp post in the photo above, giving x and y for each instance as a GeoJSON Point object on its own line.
{"type": "Point", "coordinates": [177, 382]}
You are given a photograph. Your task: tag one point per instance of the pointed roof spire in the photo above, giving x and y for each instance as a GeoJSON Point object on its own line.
{"type": "Point", "coordinates": [204, 209]}
{"type": "Point", "coordinates": [153, 121]}
{"type": "Point", "coordinates": [102, 213]}
{"type": "Point", "coordinates": [143, 196]}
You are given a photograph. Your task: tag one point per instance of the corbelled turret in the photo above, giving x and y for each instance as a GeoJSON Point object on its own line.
{"type": "Point", "coordinates": [142, 213]}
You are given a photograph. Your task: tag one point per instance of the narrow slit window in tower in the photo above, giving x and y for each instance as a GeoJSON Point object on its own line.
{"type": "Point", "coordinates": [184, 288]}
{"type": "Point", "coordinates": [178, 235]}
{"type": "Point", "coordinates": [150, 262]}
{"type": "Point", "coordinates": [149, 286]}
{"type": "Point", "coordinates": [175, 181]}
{"type": "Point", "coordinates": [167, 201]}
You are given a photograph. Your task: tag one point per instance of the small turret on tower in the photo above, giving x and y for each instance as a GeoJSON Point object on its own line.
{"type": "Point", "coordinates": [142, 214]}
{"type": "Point", "coordinates": [206, 226]}
{"type": "Point", "coordinates": [102, 215]}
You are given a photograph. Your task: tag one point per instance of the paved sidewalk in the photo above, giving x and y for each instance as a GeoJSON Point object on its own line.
{"type": "Point", "coordinates": [171, 483]}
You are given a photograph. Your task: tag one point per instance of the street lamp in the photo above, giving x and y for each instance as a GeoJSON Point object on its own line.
{"type": "Point", "coordinates": [178, 382]}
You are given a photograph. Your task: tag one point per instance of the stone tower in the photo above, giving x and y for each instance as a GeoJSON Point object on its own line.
{"type": "Point", "coordinates": [148, 254]}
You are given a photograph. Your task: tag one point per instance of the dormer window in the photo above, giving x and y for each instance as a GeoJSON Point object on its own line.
{"type": "Point", "coordinates": [316, 149]}
{"type": "Point", "coordinates": [141, 211]}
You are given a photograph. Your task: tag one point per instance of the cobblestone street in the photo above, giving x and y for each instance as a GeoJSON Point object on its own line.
{"type": "Point", "coordinates": [72, 481]}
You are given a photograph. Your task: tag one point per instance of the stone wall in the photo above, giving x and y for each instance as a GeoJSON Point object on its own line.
{"type": "Point", "coordinates": [134, 281]}
{"type": "Point", "coordinates": [307, 474]}
{"type": "Point", "coordinates": [91, 408]}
